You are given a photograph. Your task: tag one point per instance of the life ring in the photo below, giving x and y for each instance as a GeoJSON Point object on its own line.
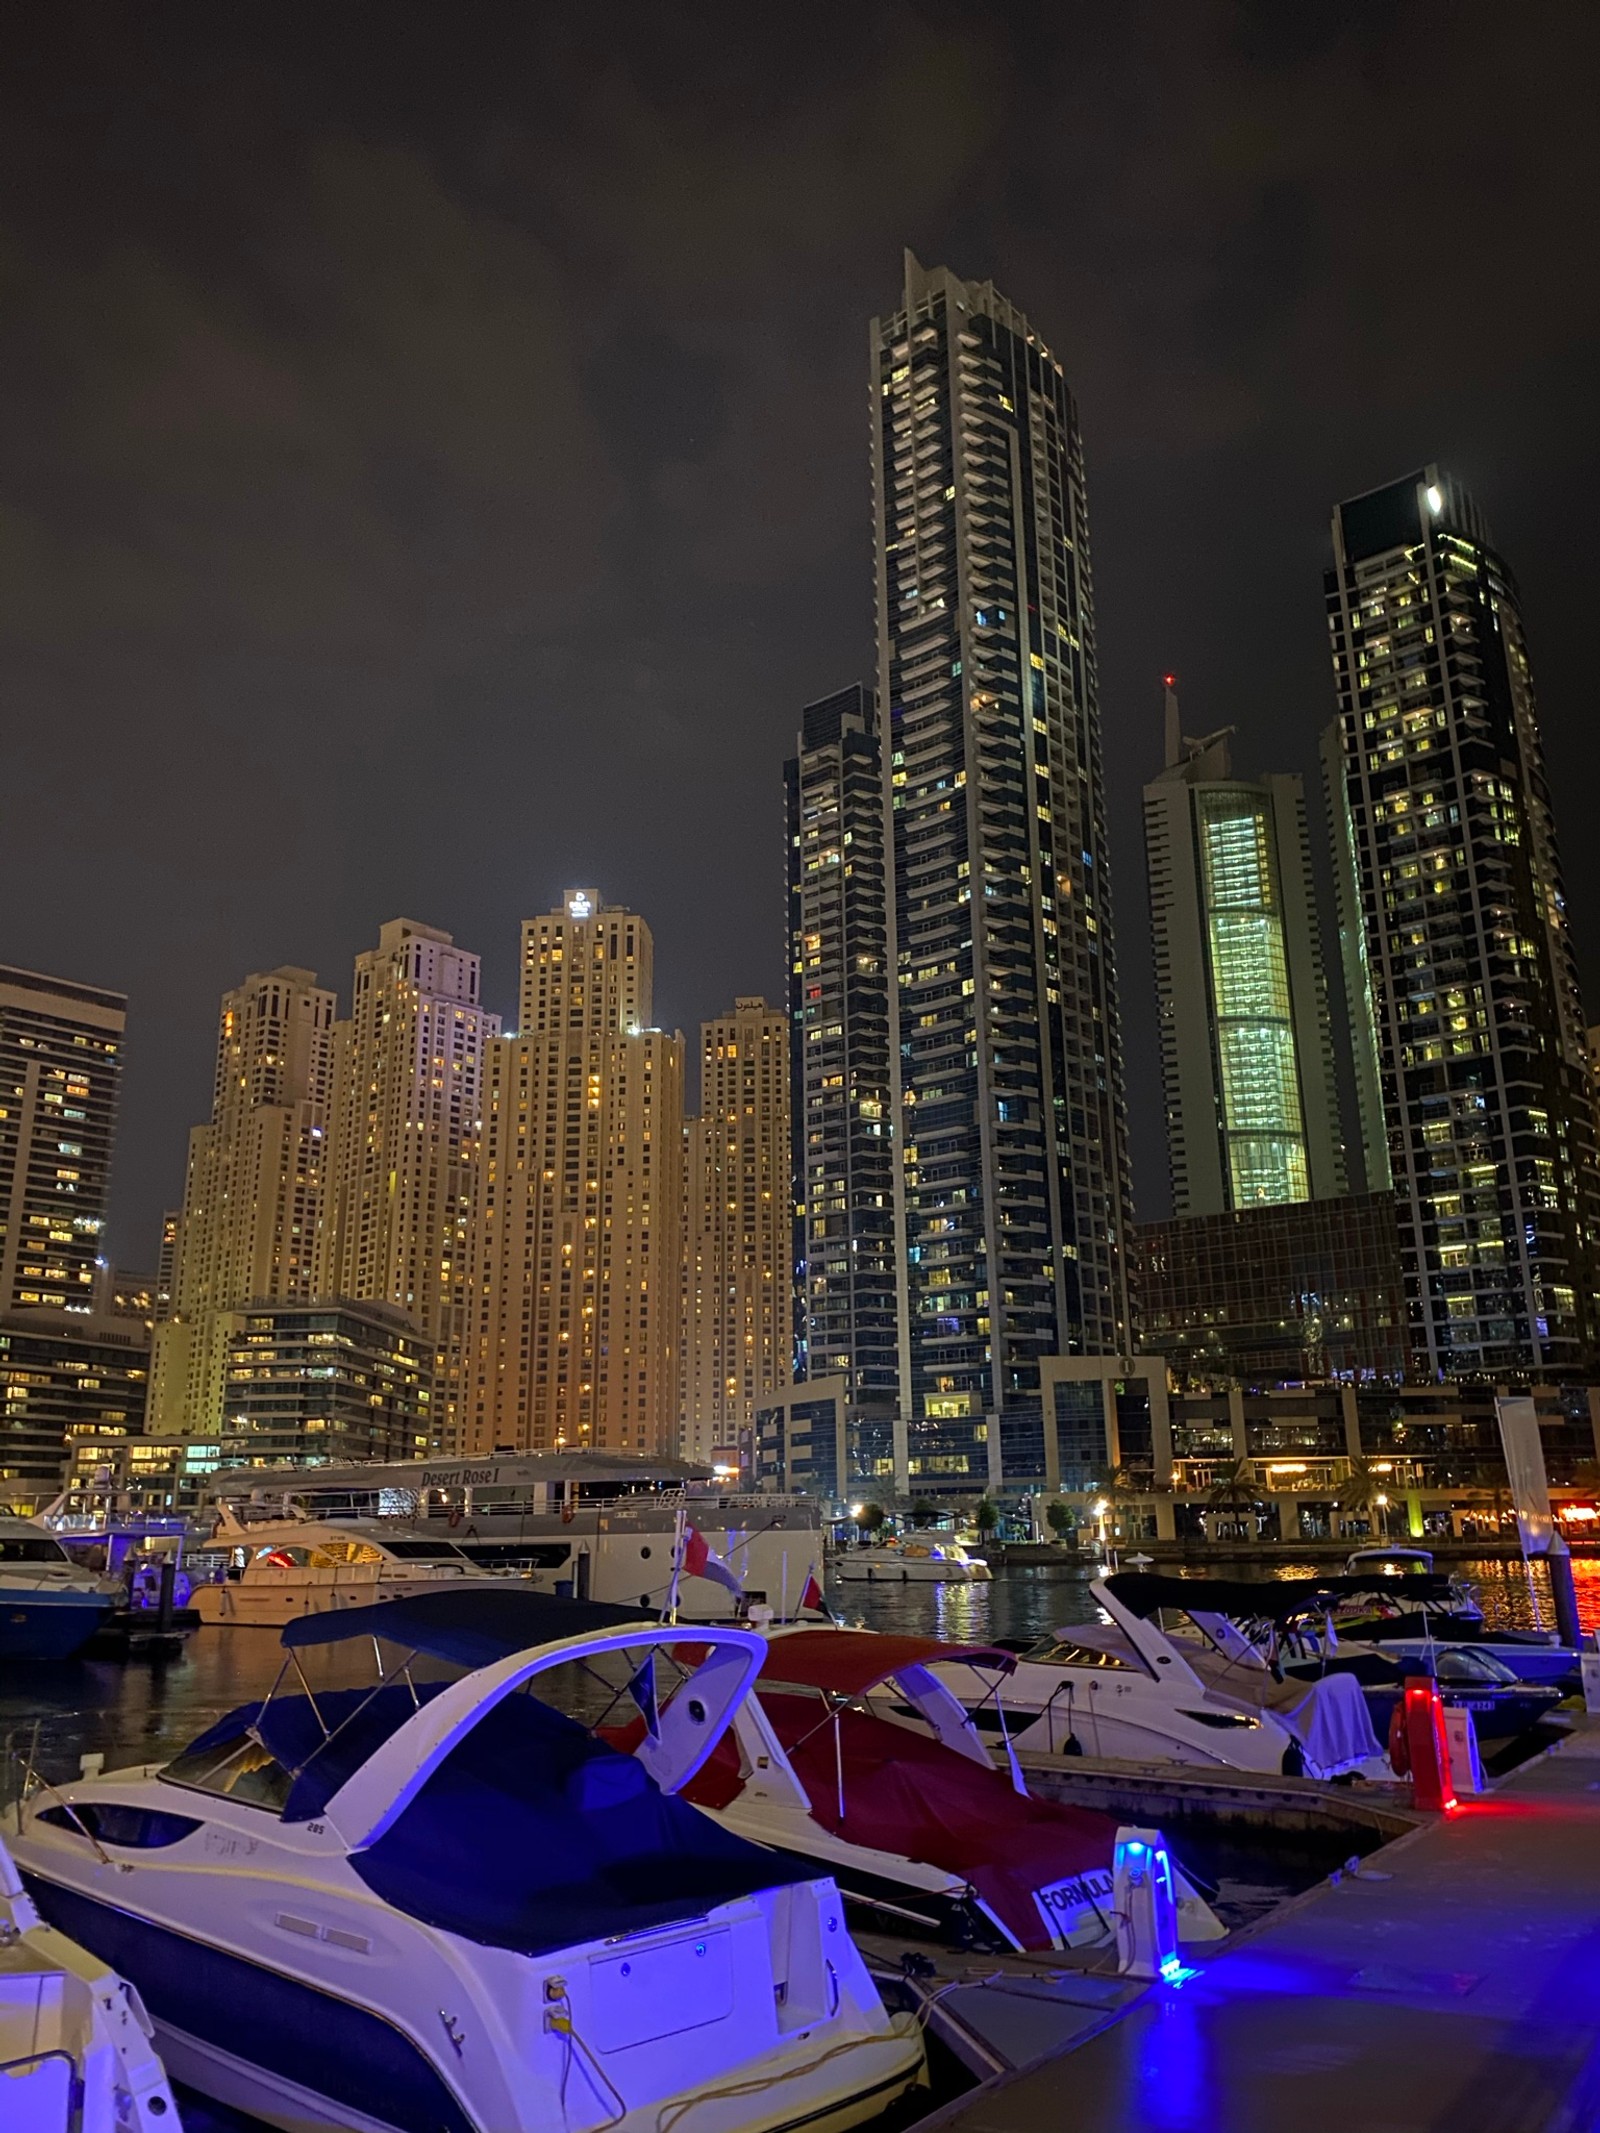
{"type": "Point", "coordinates": [1399, 1741]}
{"type": "Point", "coordinates": [454, 1519]}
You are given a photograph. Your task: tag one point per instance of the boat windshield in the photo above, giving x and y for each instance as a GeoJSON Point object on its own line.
{"type": "Point", "coordinates": [532, 1833]}
{"type": "Point", "coordinates": [31, 1548]}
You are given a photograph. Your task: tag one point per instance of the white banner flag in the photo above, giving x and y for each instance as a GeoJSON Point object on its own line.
{"type": "Point", "coordinates": [1530, 1489]}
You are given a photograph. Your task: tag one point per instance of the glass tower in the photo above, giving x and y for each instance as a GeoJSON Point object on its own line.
{"type": "Point", "coordinates": [1246, 1047]}
{"type": "Point", "coordinates": [1011, 1184]}
{"type": "Point", "coordinates": [1449, 870]}
{"type": "Point", "coordinates": [842, 1151]}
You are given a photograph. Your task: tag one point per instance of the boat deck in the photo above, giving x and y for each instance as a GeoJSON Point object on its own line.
{"type": "Point", "coordinates": [1454, 1982]}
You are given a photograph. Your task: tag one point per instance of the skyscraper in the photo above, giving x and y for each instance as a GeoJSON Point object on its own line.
{"type": "Point", "coordinates": [1246, 1048]}
{"type": "Point", "coordinates": [1449, 861]}
{"type": "Point", "coordinates": [60, 1069]}
{"type": "Point", "coordinates": [842, 1134]}
{"type": "Point", "coordinates": [578, 1288]}
{"type": "Point", "coordinates": [1012, 1185]}
{"type": "Point", "coordinates": [404, 1142]}
{"type": "Point", "coordinates": [253, 1203]}
{"type": "Point", "coordinates": [737, 1304]}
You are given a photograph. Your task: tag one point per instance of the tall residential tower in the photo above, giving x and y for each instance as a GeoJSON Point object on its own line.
{"type": "Point", "coordinates": [1012, 1181]}
{"type": "Point", "coordinates": [1247, 1064]}
{"type": "Point", "coordinates": [60, 1071]}
{"type": "Point", "coordinates": [843, 1156]}
{"type": "Point", "coordinates": [736, 1315]}
{"type": "Point", "coordinates": [252, 1216]}
{"type": "Point", "coordinates": [1449, 874]}
{"type": "Point", "coordinates": [579, 1286]}
{"type": "Point", "coordinates": [407, 1113]}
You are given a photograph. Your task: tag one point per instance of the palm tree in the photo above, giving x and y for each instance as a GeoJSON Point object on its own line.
{"type": "Point", "coordinates": [1357, 1495]}
{"type": "Point", "coordinates": [870, 1518]}
{"type": "Point", "coordinates": [1233, 1489]}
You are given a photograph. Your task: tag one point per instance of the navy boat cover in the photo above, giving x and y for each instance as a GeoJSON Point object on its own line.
{"type": "Point", "coordinates": [471, 1625]}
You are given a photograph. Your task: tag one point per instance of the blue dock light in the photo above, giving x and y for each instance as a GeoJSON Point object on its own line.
{"type": "Point", "coordinates": [1146, 1907]}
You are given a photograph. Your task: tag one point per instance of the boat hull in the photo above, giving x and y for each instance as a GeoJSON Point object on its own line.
{"type": "Point", "coordinates": [248, 1604]}
{"type": "Point", "coordinates": [49, 1625]}
{"type": "Point", "coordinates": [262, 2042]}
{"type": "Point", "coordinates": [917, 1571]}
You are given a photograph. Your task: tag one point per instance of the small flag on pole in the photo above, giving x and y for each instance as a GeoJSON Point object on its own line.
{"type": "Point", "coordinates": [700, 1562]}
{"type": "Point", "coordinates": [811, 1599]}
{"type": "Point", "coordinates": [642, 1688]}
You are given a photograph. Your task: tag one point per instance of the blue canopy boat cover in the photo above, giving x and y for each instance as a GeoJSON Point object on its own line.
{"type": "Point", "coordinates": [469, 1627]}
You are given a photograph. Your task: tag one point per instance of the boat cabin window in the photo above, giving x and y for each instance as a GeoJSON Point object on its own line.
{"type": "Point", "coordinates": [338, 1552]}
{"type": "Point", "coordinates": [134, 1829]}
{"type": "Point", "coordinates": [284, 1558]}
{"type": "Point", "coordinates": [435, 1551]}
{"type": "Point", "coordinates": [237, 1769]}
{"type": "Point", "coordinates": [27, 1548]}
{"type": "Point", "coordinates": [1058, 1652]}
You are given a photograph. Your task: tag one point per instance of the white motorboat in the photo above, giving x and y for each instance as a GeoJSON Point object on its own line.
{"type": "Point", "coordinates": [910, 1562]}
{"type": "Point", "coordinates": [50, 1606]}
{"type": "Point", "coordinates": [289, 1565]}
{"type": "Point", "coordinates": [853, 1753]}
{"type": "Point", "coordinates": [451, 1907]}
{"type": "Point", "coordinates": [1130, 1690]}
{"type": "Point", "coordinates": [75, 2049]}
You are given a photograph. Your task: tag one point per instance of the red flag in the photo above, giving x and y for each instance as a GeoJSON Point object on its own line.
{"type": "Point", "coordinates": [699, 1562]}
{"type": "Point", "coordinates": [812, 1597]}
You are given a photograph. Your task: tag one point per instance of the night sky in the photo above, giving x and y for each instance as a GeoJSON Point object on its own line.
{"type": "Point", "coordinates": [433, 440]}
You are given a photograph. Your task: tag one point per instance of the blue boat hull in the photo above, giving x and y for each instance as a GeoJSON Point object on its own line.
{"type": "Point", "coordinates": [49, 1625]}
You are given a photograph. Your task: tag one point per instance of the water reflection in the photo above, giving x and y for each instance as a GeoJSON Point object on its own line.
{"type": "Point", "coordinates": [1025, 1600]}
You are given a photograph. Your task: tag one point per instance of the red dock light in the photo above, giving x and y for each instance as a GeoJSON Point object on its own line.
{"type": "Point", "coordinates": [1417, 1744]}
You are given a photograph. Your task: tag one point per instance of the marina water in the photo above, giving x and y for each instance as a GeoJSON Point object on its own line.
{"type": "Point", "coordinates": [144, 1712]}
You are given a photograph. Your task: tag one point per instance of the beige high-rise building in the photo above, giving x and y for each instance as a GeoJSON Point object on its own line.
{"type": "Point", "coordinates": [253, 1195]}
{"type": "Point", "coordinates": [404, 1142]}
{"type": "Point", "coordinates": [60, 1068]}
{"type": "Point", "coordinates": [579, 1281]}
{"type": "Point", "coordinates": [738, 1326]}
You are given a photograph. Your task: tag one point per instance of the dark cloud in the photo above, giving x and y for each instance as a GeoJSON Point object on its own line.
{"type": "Point", "coordinates": [433, 445]}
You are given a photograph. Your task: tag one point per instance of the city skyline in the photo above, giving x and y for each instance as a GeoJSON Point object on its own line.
{"type": "Point", "coordinates": [590, 492]}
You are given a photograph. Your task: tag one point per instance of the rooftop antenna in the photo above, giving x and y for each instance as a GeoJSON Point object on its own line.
{"type": "Point", "coordinates": [1174, 748]}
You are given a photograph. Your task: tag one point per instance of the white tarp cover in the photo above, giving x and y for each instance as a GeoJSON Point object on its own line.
{"type": "Point", "coordinates": [1332, 1724]}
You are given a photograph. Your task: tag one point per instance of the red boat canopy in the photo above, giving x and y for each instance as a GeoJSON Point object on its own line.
{"type": "Point", "coordinates": [848, 1662]}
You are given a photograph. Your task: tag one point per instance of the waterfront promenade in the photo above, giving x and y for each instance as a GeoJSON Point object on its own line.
{"type": "Point", "coordinates": [1452, 1986]}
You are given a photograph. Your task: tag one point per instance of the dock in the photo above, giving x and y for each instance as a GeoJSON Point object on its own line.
{"type": "Point", "coordinates": [1451, 1983]}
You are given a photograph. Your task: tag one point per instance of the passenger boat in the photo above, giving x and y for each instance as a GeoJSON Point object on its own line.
{"type": "Point", "coordinates": [910, 1562]}
{"type": "Point", "coordinates": [49, 1606]}
{"type": "Point", "coordinates": [75, 2049]}
{"type": "Point", "coordinates": [431, 1906]}
{"type": "Point", "coordinates": [1127, 1688]}
{"type": "Point", "coordinates": [853, 1753]}
{"type": "Point", "coordinates": [575, 1524]}
{"type": "Point", "coordinates": [282, 1567]}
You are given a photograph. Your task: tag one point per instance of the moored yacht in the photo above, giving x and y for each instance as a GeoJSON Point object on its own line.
{"type": "Point", "coordinates": [1128, 1689]}
{"type": "Point", "coordinates": [853, 1752]}
{"type": "Point", "coordinates": [916, 1560]}
{"type": "Point", "coordinates": [75, 2049]}
{"type": "Point", "coordinates": [49, 1605]}
{"type": "Point", "coordinates": [282, 1567]}
{"type": "Point", "coordinates": [433, 1906]}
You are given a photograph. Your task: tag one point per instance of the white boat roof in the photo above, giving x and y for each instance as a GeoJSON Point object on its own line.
{"type": "Point", "coordinates": [504, 1470]}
